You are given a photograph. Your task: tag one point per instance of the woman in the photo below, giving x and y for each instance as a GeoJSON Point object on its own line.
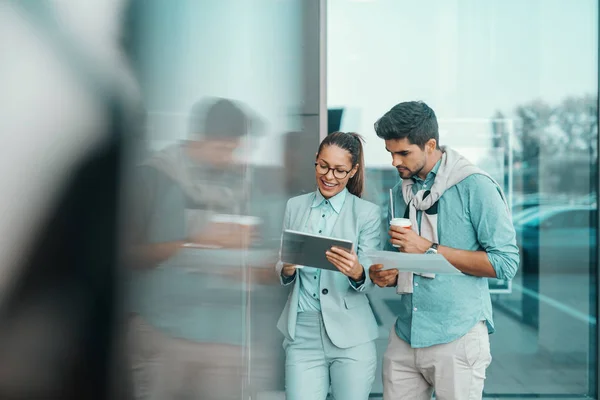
{"type": "Point", "coordinates": [327, 322]}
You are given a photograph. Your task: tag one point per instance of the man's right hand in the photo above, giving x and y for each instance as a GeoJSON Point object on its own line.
{"type": "Point", "coordinates": [288, 270]}
{"type": "Point", "coordinates": [387, 278]}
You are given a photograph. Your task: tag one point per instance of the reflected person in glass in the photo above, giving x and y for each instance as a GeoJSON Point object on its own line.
{"type": "Point", "coordinates": [327, 322]}
{"type": "Point", "coordinates": [440, 340]}
{"type": "Point", "coordinates": [187, 297]}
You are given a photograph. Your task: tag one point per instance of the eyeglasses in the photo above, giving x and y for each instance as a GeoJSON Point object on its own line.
{"type": "Point", "coordinates": [323, 169]}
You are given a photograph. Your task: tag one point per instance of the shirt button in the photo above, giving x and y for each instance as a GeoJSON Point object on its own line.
{"type": "Point", "coordinates": [416, 283]}
{"type": "Point", "coordinates": [323, 215]}
{"type": "Point", "coordinates": [314, 295]}
{"type": "Point", "coordinates": [320, 231]}
{"type": "Point", "coordinates": [415, 309]}
{"type": "Point", "coordinates": [324, 291]}
{"type": "Point", "coordinates": [315, 277]}
{"type": "Point", "coordinates": [326, 202]}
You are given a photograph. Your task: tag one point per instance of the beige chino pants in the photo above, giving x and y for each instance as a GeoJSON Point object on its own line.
{"type": "Point", "coordinates": [455, 370]}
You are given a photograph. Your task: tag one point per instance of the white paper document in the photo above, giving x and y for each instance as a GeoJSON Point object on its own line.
{"type": "Point", "coordinates": [418, 263]}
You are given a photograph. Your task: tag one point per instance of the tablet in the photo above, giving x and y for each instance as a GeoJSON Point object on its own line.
{"type": "Point", "coordinates": [309, 250]}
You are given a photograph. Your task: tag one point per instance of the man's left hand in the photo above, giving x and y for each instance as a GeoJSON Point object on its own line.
{"type": "Point", "coordinates": [408, 240]}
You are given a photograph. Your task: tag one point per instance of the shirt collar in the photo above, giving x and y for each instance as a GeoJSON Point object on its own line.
{"type": "Point", "coordinates": [336, 201]}
{"type": "Point", "coordinates": [431, 175]}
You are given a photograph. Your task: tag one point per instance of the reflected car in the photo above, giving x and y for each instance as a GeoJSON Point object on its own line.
{"type": "Point", "coordinates": [561, 237]}
{"type": "Point", "coordinates": [531, 201]}
{"type": "Point", "coordinates": [524, 214]}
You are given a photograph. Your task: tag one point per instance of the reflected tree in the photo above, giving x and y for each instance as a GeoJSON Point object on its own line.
{"type": "Point", "coordinates": [566, 130]}
{"type": "Point", "coordinates": [577, 118]}
{"type": "Point", "coordinates": [532, 130]}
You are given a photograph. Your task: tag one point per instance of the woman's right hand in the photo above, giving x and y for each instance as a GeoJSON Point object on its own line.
{"type": "Point", "coordinates": [288, 270]}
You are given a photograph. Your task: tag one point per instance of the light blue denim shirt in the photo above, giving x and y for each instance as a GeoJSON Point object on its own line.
{"type": "Point", "coordinates": [322, 218]}
{"type": "Point", "coordinates": [471, 216]}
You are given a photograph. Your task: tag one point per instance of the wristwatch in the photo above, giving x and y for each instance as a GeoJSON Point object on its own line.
{"type": "Point", "coordinates": [433, 249]}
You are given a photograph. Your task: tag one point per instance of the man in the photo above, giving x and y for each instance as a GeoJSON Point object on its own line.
{"type": "Point", "coordinates": [440, 339]}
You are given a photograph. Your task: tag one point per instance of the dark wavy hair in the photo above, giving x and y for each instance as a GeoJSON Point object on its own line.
{"type": "Point", "coordinates": [353, 144]}
{"type": "Point", "coordinates": [414, 120]}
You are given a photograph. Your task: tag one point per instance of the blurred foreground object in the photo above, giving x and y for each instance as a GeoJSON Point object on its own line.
{"type": "Point", "coordinates": [65, 105]}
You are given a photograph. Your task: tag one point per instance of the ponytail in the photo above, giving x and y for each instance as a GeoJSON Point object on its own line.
{"type": "Point", "coordinates": [356, 184]}
{"type": "Point", "coordinates": [353, 144]}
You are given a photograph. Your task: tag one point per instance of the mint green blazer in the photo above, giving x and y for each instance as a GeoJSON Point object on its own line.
{"type": "Point", "coordinates": [346, 311]}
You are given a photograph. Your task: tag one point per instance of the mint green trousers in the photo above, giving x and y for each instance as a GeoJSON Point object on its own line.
{"type": "Point", "coordinates": [314, 365]}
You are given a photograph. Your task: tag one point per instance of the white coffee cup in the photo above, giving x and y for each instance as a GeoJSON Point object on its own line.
{"type": "Point", "coordinates": [403, 222]}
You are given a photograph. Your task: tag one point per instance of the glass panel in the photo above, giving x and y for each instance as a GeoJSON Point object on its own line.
{"type": "Point", "coordinates": [517, 97]}
{"type": "Point", "coordinates": [222, 83]}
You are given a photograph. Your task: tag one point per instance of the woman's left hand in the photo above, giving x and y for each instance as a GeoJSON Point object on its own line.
{"type": "Point", "coordinates": [346, 262]}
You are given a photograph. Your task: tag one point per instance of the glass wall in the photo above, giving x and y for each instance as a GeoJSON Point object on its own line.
{"type": "Point", "coordinates": [513, 93]}
{"type": "Point", "coordinates": [224, 85]}
{"type": "Point", "coordinates": [514, 86]}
